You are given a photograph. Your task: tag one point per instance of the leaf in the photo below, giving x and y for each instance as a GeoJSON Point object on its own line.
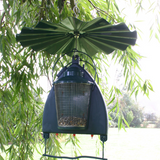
{"type": "Point", "coordinates": [138, 8]}
{"type": "Point", "coordinates": [111, 100]}
{"type": "Point", "coordinates": [150, 6]}
{"type": "Point", "coordinates": [17, 129]}
{"type": "Point", "coordinates": [144, 88]}
{"type": "Point", "coordinates": [5, 5]}
{"type": "Point", "coordinates": [111, 92]}
{"type": "Point", "coordinates": [157, 37]}
{"type": "Point", "coordinates": [110, 117]}
{"type": "Point", "coordinates": [119, 122]}
{"type": "Point", "coordinates": [116, 7]}
{"type": "Point", "coordinates": [150, 86]}
{"type": "Point", "coordinates": [117, 105]}
{"type": "Point", "coordinates": [125, 69]}
{"type": "Point", "coordinates": [108, 4]}
{"type": "Point", "coordinates": [126, 122]}
{"type": "Point", "coordinates": [113, 109]}
{"type": "Point", "coordinates": [136, 93]}
{"type": "Point", "coordinates": [122, 57]}
{"type": "Point", "coordinates": [1, 158]}
{"type": "Point", "coordinates": [117, 91]}
{"type": "Point", "coordinates": [114, 54]}
{"type": "Point", "coordinates": [18, 16]}
{"type": "Point", "coordinates": [129, 85]}
{"type": "Point", "coordinates": [138, 78]}
{"type": "Point", "coordinates": [133, 90]}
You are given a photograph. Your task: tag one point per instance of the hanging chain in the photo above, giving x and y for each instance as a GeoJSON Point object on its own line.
{"type": "Point", "coordinates": [76, 9]}
{"type": "Point", "coordinates": [76, 12]}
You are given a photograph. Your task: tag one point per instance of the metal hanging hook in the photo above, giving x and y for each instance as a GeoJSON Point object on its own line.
{"type": "Point", "coordinates": [76, 51]}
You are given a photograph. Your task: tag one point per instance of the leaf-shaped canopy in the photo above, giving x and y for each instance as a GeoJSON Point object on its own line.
{"type": "Point", "coordinates": [90, 37]}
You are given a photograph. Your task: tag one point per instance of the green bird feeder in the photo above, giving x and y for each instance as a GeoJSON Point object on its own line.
{"type": "Point", "coordinates": [75, 104]}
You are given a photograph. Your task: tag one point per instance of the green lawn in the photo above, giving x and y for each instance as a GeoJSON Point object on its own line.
{"type": "Point", "coordinates": [135, 144]}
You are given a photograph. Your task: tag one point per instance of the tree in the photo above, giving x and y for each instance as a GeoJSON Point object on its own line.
{"type": "Point", "coordinates": [21, 68]}
{"type": "Point", "coordinates": [127, 110]}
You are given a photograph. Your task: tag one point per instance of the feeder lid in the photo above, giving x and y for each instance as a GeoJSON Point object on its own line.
{"type": "Point", "coordinates": [95, 36]}
{"type": "Point", "coordinates": [73, 75]}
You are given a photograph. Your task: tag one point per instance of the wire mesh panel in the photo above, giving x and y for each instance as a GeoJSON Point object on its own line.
{"type": "Point", "coordinates": [72, 103]}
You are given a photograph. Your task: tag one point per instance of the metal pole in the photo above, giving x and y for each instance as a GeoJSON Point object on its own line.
{"type": "Point", "coordinates": [103, 150]}
{"type": "Point", "coordinates": [45, 146]}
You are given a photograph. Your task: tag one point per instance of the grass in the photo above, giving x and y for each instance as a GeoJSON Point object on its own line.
{"type": "Point", "coordinates": [134, 144]}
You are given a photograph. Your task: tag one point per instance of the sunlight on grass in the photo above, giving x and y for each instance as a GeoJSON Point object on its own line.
{"type": "Point", "coordinates": [135, 144]}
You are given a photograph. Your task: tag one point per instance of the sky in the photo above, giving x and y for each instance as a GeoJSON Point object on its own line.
{"type": "Point", "coordinates": [149, 48]}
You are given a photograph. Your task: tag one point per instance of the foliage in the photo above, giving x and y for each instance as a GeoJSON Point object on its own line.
{"type": "Point", "coordinates": [21, 68]}
{"type": "Point", "coordinates": [128, 109]}
{"type": "Point", "coordinates": [157, 124]}
{"type": "Point", "coordinates": [150, 117]}
{"type": "Point", "coordinates": [75, 144]}
{"type": "Point", "coordinates": [129, 117]}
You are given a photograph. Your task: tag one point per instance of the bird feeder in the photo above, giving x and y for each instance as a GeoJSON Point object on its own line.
{"type": "Point", "coordinates": [75, 105]}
